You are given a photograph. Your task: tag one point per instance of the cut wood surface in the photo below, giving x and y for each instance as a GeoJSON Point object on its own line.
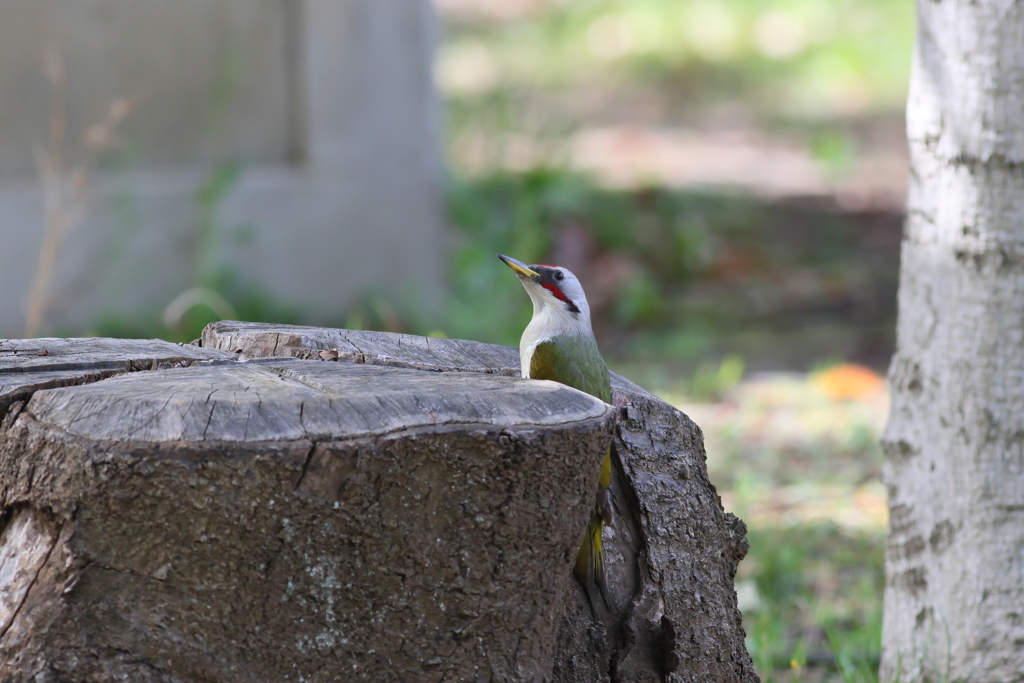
{"type": "Point", "coordinates": [284, 520]}
{"type": "Point", "coordinates": [289, 399]}
{"type": "Point", "coordinates": [259, 340]}
{"type": "Point", "coordinates": [672, 549]}
{"type": "Point", "coordinates": [94, 354]}
{"type": "Point", "coordinates": [263, 340]}
{"type": "Point", "coordinates": [28, 365]}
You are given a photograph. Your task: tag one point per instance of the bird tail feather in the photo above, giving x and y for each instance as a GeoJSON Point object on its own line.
{"type": "Point", "coordinates": [590, 561]}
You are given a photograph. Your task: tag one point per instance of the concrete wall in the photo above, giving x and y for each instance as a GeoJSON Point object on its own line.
{"type": "Point", "coordinates": [328, 105]}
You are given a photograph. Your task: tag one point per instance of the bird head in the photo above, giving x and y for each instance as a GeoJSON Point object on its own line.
{"type": "Point", "coordinates": [551, 288]}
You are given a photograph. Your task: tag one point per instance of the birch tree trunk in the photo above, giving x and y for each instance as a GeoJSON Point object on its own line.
{"type": "Point", "coordinates": [954, 601]}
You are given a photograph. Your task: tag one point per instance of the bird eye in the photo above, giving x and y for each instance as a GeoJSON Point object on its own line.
{"type": "Point", "coordinates": [558, 275]}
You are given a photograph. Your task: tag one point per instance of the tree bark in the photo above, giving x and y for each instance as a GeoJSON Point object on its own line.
{"type": "Point", "coordinates": [672, 550]}
{"type": "Point", "coordinates": [283, 520]}
{"type": "Point", "coordinates": [954, 599]}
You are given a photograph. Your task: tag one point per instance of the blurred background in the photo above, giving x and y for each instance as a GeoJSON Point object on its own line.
{"type": "Point", "coordinates": [725, 176]}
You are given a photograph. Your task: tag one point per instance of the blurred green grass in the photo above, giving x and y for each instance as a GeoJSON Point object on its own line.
{"type": "Point", "coordinates": [797, 457]}
{"type": "Point", "coordinates": [812, 607]}
{"type": "Point", "coordinates": [760, 51]}
{"type": "Point", "coordinates": [784, 65]}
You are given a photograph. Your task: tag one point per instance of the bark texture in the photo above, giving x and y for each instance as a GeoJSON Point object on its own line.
{"type": "Point", "coordinates": [283, 520]}
{"type": "Point", "coordinates": [672, 550]}
{"type": "Point", "coordinates": [954, 600]}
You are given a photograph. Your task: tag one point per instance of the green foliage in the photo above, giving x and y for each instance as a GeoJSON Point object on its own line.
{"type": "Point", "coordinates": [835, 148]}
{"type": "Point", "coordinates": [673, 276]}
{"type": "Point", "coordinates": [854, 666]}
{"type": "Point", "coordinates": [639, 301]}
{"type": "Point", "coordinates": [788, 58]}
{"type": "Point", "coordinates": [503, 214]}
{"type": "Point", "coordinates": [660, 237]}
{"type": "Point", "coordinates": [713, 381]}
{"type": "Point", "coordinates": [209, 232]}
{"type": "Point", "coordinates": [819, 602]}
{"type": "Point", "coordinates": [248, 303]}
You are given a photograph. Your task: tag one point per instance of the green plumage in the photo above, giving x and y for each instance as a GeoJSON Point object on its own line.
{"type": "Point", "coordinates": [574, 361]}
{"type": "Point", "coordinates": [577, 362]}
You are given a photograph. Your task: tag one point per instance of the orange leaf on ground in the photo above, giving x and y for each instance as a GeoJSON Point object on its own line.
{"type": "Point", "coordinates": [848, 381]}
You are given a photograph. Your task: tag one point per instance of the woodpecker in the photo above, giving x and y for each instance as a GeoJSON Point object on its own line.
{"type": "Point", "coordinates": [559, 345]}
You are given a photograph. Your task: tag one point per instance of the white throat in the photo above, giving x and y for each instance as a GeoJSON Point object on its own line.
{"type": "Point", "coordinates": [551, 318]}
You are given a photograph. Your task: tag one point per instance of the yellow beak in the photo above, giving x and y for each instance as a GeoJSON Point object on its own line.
{"type": "Point", "coordinates": [518, 266]}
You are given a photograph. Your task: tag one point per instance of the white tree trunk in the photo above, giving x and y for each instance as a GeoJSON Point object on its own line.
{"type": "Point", "coordinates": [954, 600]}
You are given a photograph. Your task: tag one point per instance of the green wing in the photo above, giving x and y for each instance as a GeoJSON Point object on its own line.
{"type": "Point", "coordinates": [578, 363]}
{"type": "Point", "coordinates": [575, 362]}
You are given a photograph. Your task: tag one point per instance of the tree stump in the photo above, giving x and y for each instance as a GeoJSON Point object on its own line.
{"type": "Point", "coordinates": [672, 549]}
{"type": "Point", "coordinates": [175, 513]}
